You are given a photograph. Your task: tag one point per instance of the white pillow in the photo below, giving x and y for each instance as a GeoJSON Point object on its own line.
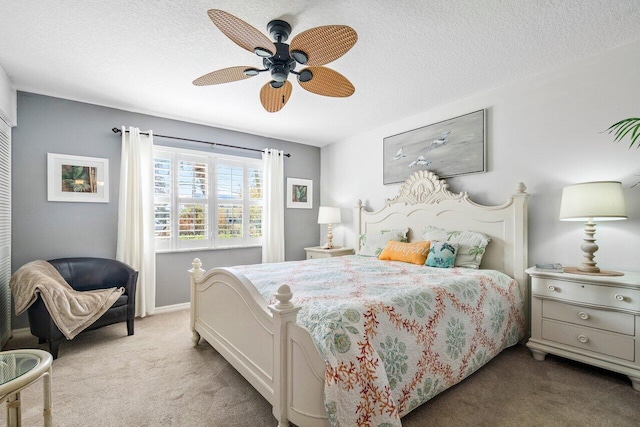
{"type": "Point", "coordinates": [372, 244]}
{"type": "Point", "coordinates": [471, 244]}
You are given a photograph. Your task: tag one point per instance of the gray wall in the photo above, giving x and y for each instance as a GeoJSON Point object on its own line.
{"type": "Point", "coordinates": [46, 230]}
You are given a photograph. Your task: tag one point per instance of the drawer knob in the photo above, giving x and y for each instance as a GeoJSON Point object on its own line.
{"type": "Point", "coordinates": [583, 339]}
{"type": "Point", "coordinates": [618, 297]}
{"type": "Point", "coordinates": [551, 288]}
{"type": "Point", "coordinates": [583, 315]}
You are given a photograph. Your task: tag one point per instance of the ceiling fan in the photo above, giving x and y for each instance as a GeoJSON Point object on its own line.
{"type": "Point", "coordinates": [314, 48]}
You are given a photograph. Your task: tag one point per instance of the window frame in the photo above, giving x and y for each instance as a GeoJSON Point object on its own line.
{"type": "Point", "coordinates": [211, 201]}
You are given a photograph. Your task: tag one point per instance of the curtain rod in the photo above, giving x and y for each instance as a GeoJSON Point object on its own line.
{"type": "Point", "coordinates": [214, 144]}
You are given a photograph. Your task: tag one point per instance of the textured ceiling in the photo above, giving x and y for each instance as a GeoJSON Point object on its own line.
{"type": "Point", "coordinates": [410, 56]}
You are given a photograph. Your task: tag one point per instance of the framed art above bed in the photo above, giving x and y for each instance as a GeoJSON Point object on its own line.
{"type": "Point", "coordinates": [449, 148]}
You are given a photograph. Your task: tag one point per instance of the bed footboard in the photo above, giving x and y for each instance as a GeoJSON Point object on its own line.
{"type": "Point", "coordinates": [305, 389]}
{"type": "Point", "coordinates": [263, 343]}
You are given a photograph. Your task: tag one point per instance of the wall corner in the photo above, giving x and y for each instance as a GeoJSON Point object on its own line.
{"type": "Point", "coordinates": [8, 99]}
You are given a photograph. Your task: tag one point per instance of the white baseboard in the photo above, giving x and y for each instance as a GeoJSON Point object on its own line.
{"type": "Point", "coordinates": [171, 308]}
{"type": "Point", "coordinates": [26, 332]}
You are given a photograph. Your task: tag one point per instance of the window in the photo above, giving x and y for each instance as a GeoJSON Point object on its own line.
{"type": "Point", "coordinates": [205, 200]}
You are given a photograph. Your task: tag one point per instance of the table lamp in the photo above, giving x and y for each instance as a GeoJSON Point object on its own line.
{"type": "Point", "coordinates": [589, 202]}
{"type": "Point", "coordinates": [328, 215]}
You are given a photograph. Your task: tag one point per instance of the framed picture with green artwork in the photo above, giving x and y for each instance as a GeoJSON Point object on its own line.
{"type": "Point", "coordinates": [77, 179]}
{"type": "Point", "coordinates": [299, 193]}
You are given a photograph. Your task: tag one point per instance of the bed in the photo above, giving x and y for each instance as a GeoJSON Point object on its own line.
{"type": "Point", "coordinates": [348, 368]}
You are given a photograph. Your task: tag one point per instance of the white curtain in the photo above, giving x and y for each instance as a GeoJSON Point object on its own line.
{"type": "Point", "coordinates": [273, 212]}
{"type": "Point", "coordinates": [136, 238]}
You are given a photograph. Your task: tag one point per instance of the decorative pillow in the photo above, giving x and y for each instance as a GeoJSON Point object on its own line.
{"type": "Point", "coordinates": [415, 253]}
{"type": "Point", "coordinates": [471, 244]}
{"type": "Point", "coordinates": [442, 254]}
{"type": "Point", "coordinates": [372, 244]}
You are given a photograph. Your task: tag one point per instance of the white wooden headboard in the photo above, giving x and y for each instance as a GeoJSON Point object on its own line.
{"type": "Point", "coordinates": [423, 199]}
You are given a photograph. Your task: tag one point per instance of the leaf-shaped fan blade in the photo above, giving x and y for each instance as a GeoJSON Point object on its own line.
{"type": "Point", "coordinates": [274, 99]}
{"type": "Point", "coordinates": [324, 44]}
{"type": "Point", "coordinates": [327, 82]}
{"type": "Point", "coordinates": [226, 75]}
{"type": "Point", "coordinates": [241, 33]}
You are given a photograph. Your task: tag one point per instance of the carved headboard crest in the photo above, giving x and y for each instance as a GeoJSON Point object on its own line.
{"type": "Point", "coordinates": [424, 187]}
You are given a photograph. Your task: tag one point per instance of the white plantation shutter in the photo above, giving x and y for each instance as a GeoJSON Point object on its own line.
{"type": "Point", "coordinates": [162, 181]}
{"type": "Point", "coordinates": [254, 202]}
{"type": "Point", "coordinates": [230, 185]}
{"type": "Point", "coordinates": [5, 232]}
{"type": "Point", "coordinates": [206, 200]}
{"type": "Point", "coordinates": [193, 195]}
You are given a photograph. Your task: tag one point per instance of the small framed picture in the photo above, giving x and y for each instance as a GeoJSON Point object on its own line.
{"type": "Point", "coordinates": [77, 179]}
{"type": "Point", "coordinates": [299, 193]}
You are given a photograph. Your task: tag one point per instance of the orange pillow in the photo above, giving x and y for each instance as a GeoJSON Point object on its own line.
{"type": "Point", "coordinates": [415, 253]}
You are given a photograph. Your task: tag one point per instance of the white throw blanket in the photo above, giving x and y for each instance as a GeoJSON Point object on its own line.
{"type": "Point", "coordinates": [72, 311]}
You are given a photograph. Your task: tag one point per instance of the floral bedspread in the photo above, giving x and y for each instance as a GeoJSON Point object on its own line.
{"type": "Point", "coordinates": [395, 334]}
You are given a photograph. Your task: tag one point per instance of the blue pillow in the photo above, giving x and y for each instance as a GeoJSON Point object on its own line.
{"type": "Point", "coordinates": [442, 254]}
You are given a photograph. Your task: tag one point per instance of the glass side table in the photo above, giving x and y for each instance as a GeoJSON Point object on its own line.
{"type": "Point", "coordinates": [18, 370]}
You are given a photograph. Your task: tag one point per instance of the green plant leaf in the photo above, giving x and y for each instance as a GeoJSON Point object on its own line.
{"type": "Point", "coordinates": [623, 128]}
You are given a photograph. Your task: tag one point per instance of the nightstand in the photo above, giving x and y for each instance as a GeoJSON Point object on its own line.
{"type": "Point", "coordinates": [318, 252]}
{"type": "Point", "coordinates": [591, 319]}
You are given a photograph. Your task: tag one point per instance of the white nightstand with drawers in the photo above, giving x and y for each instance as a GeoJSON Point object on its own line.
{"type": "Point", "coordinates": [591, 319]}
{"type": "Point", "coordinates": [318, 252]}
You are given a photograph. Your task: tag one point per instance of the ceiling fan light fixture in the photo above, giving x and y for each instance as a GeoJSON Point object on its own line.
{"type": "Point", "coordinates": [299, 56]}
{"type": "Point", "coordinates": [305, 76]}
{"type": "Point", "coordinates": [279, 72]}
{"type": "Point", "coordinates": [276, 85]}
{"type": "Point", "coordinates": [262, 52]}
{"type": "Point", "coordinates": [251, 72]}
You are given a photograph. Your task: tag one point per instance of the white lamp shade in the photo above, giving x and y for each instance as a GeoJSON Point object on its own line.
{"type": "Point", "coordinates": [329, 215]}
{"type": "Point", "coordinates": [602, 201]}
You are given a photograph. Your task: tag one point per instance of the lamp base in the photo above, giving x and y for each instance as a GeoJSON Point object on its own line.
{"type": "Point", "coordinates": [576, 270]}
{"type": "Point", "coordinates": [329, 244]}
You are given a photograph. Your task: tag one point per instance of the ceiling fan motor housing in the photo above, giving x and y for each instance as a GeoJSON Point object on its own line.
{"type": "Point", "coordinates": [281, 63]}
{"type": "Point", "coordinates": [279, 30]}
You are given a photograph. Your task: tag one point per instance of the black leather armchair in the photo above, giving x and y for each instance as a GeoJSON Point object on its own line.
{"type": "Point", "coordinates": [85, 274]}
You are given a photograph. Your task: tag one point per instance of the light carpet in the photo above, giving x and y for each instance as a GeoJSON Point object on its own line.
{"type": "Point", "coordinates": [158, 378]}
